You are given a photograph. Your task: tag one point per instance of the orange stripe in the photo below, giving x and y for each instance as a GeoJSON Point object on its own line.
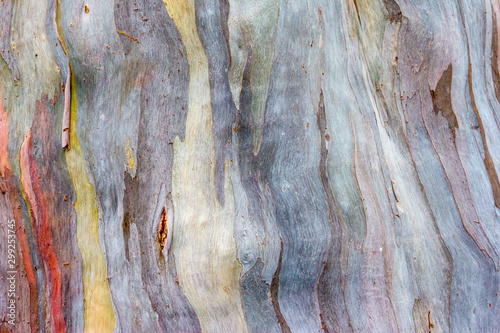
{"type": "Point", "coordinates": [13, 192]}
{"type": "Point", "coordinates": [40, 222]}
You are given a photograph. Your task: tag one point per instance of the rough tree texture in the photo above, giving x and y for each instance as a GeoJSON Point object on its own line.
{"type": "Point", "coordinates": [251, 166]}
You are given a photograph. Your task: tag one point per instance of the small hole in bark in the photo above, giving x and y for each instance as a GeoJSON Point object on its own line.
{"type": "Point", "coordinates": [162, 229]}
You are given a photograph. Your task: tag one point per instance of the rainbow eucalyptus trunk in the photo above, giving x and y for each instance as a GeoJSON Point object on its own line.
{"type": "Point", "coordinates": [250, 166]}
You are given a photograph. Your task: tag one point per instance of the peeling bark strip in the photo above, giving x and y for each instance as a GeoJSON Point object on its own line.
{"type": "Point", "coordinates": [249, 166]}
{"type": "Point", "coordinates": [67, 113]}
{"type": "Point", "coordinates": [4, 137]}
{"type": "Point", "coordinates": [56, 25]}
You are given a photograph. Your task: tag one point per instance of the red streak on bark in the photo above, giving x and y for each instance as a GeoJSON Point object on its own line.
{"type": "Point", "coordinates": [41, 228]}
{"type": "Point", "coordinates": [14, 197]}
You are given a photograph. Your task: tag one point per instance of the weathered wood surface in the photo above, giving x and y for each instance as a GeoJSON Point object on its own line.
{"type": "Point", "coordinates": [259, 166]}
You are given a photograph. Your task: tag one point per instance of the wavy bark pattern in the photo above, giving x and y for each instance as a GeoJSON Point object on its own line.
{"type": "Point", "coordinates": [251, 166]}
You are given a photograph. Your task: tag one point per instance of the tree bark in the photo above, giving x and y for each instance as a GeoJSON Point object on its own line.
{"type": "Point", "coordinates": [250, 166]}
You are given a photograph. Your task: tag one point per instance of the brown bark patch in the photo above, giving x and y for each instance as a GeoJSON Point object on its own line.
{"type": "Point", "coordinates": [441, 98]}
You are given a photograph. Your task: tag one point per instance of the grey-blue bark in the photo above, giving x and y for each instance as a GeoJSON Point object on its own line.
{"type": "Point", "coordinates": [251, 166]}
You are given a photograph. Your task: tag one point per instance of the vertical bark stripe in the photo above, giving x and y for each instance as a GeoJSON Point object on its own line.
{"type": "Point", "coordinates": [97, 310]}
{"type": "Point", "coordinates": [203, 242]}
{"type": "Point", "coordinates": [41, 226]}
